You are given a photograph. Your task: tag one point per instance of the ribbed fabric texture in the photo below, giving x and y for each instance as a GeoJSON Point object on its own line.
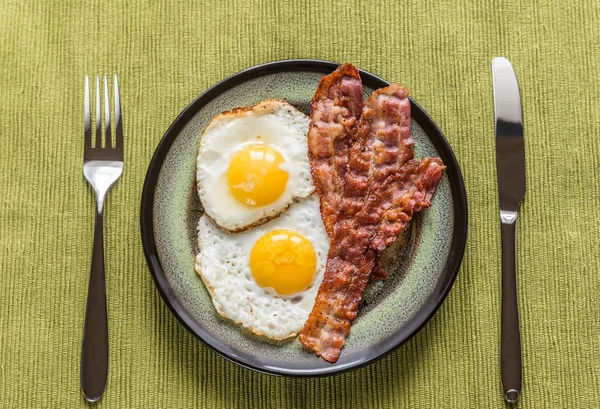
{"type": "Point", "coordinates": [167, 53]}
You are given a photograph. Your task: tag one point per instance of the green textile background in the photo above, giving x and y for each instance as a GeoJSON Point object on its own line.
{"type": "Point", "coordinates": [167, 53]}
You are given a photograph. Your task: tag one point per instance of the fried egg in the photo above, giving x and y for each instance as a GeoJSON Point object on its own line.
{"type": "Point", "coordinates": [266, 278]}
{"type": "Point", "coordinates": [252, 163]}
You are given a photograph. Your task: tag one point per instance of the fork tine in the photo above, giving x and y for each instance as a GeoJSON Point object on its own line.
{"type": "Point", "coordinates": [118, 124]}
{"type": "Point", "coordinates": [107, 142]}
{"type": "Point", "coordinates": [98, 115]}
{"type": "Point", "coordinates": [87, 127]}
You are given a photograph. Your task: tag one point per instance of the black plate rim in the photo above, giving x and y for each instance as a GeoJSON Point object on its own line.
{"type": "Point", "coordinates": [413, 325]}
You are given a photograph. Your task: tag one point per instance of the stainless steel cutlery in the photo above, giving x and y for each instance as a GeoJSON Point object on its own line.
{"type": "Point", "coordinates": [510, 164]}
{"type": "Point", "coordinates": [102, 166]}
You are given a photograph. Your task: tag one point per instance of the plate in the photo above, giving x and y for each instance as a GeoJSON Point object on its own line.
{"type": "Point", "coordinates": [422, 265]}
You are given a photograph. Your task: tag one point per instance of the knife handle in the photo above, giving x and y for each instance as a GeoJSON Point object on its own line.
{"type": "Point", "coordinates": [510, 340]}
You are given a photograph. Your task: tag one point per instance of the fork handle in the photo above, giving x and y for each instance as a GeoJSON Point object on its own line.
{"type": "Point", "coordinates": [94, 349]}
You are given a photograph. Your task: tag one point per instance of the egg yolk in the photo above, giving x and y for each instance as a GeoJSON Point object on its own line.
{"type": "Point", "coordinates": [255, 177]}
{"type": "Point", "coordinates": [284, 260]}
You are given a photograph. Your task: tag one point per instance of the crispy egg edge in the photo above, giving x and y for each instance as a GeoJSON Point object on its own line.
{"type": "Point", "coordinates": [262, 108]}
{"type": "Point", "coordinates": [211, 291]}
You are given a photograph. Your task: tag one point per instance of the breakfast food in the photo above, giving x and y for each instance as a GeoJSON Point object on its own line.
{"type": "Point", "coordinates": [379, 190]}
{"type": "Point", "coordinates": [252, 163]}
{"type": "Point", "coordinates": [266, 278]}
{"type": "Point", "coordinates": [281, 260]}
{"type": "Point", "coordinates": [335, 110]}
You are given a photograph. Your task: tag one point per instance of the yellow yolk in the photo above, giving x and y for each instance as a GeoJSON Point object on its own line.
{"type": "Point", "coordinates": [284, 260]}
{"type": "Point", "coordinates": [254, 175]}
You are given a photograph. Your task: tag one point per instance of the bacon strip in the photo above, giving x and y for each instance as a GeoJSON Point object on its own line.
{"type": "Point", "coordinates": [382, 144]}
{"type": "Point", "coordinates": [351, 257]}
{"type": "Point", "coordinates": [395, 218]}
{"type": "Point", "coordinates": [391, 123]}
{"type": "Point", "coordinates": [386, 117]}
{"type": "Point", "coordinates": [379, 272]}
{"type": "Point", "coordinates": [335, 110]}
{"type": "Point", "coordinates": [378, 188]}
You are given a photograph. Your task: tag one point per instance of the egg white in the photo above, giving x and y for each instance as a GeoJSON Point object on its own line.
{"type": "Point", "coordinates": [273, 122]}
{"type": "Point", "coordinates": [223, 265]}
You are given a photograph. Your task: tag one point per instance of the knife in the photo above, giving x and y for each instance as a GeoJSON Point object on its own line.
{"type": "Point", "coordinates": [510, 165]}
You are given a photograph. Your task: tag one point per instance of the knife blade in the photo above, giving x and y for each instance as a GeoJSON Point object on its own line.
{"type": "Point", "coordinates": [510, 166]}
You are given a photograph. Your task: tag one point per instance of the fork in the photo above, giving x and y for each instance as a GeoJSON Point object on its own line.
{"type": "Point", "coordinates": [102, 166]}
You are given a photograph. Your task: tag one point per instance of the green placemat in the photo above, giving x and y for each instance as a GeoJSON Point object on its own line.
{"type": "Point", "coordinates": [166, 54]}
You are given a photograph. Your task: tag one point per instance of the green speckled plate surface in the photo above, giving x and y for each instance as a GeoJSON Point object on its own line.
{"type": "Point", "coordinates": [422, 265]}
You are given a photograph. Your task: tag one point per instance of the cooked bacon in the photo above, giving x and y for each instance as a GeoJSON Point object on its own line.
{"type": "Point", "coordinates": [369, 188]}
{"type": "Point", "coordinates": [395, 218]}
{"type": "Point", "coordinates": [351, 256]}
{"type": "Point", "coordinates": [388, 114]}
{"type": "Point", "coordinates": [386, 117]}
{"type": "Point", "coordinates": [379, 272]}
{"type": "Point", "coordinates": [335, 110]}
{"type": "Point", "coordinates": [382, 144]}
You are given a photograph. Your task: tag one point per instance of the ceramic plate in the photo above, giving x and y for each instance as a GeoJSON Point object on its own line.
{"type": "Point", "coordinates": [422, 264]}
